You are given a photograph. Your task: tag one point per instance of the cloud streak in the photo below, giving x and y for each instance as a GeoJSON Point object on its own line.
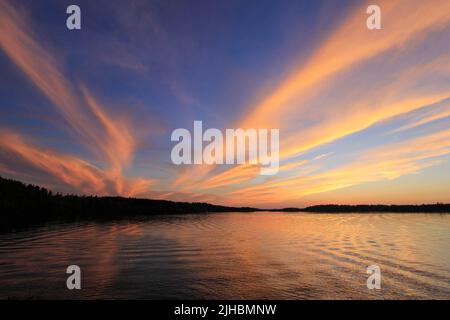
{"type": "Point", "coordinates": [72, 171]}
{"type": "Point", "coordinates": [354, 82]}
{"type": "Point", "coordinates": [340, 110]}
{"type": "Point", "coordinates": [110, 139]}
{"type": "Point", "coordinates": [384, 163]}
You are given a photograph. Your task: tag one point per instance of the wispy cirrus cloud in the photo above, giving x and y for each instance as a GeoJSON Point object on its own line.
{"type": "Point", "coordinates": [80, 174]}
{"type": "Point", "coordinates": [71, 170]}
{"type": "Point", "coordinates": [320, 101]}
{"type": "Point", "coordinates": [353, 80]}
{"type": "Point", "coordinates": [383, 163]}
{"type": "Point", "coordinates": [107, 137]}
{"type": "Point", "coordinates": [350, 44]}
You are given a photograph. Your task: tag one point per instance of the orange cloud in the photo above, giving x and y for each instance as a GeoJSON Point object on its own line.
{"type": "Point", "coordinates": [356, 108]}
{"type": "Point", "coordinates": [350, 44]}
{"type": "Point", "coordinates": [110, 139]}
{"type": "Point", "coordinates": [384, 163]}
{"type": "Point", "coordinates": [71, 170]}
{"type": "Point", "coordinates": [406, 24]}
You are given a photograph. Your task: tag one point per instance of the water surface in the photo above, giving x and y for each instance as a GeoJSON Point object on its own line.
{"type": "Point", "coordinates": [233, 256]}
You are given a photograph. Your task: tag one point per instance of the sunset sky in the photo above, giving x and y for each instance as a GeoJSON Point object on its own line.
{"type": "Point", "coordinates": [364, 116]}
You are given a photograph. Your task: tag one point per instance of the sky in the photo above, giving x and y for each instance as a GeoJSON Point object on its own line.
{"type": "Point", "coordinates": [364, 115]}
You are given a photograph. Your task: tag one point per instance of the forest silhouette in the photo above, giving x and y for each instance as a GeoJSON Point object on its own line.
{"type": "Point", "coordinates": [23, 205]}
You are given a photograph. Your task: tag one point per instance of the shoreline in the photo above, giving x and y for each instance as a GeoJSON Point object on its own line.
{"type": "Point", "coordinates": [25, 205]}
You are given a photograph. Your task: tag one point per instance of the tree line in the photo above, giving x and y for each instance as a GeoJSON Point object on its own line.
{"type": "Point", "coordinates": [26, 204]}
{"type": "Point", "coordinates": [22, 204]}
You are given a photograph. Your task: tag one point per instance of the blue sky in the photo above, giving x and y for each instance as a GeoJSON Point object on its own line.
{"type": "Point", "coordinates": [363, 115]}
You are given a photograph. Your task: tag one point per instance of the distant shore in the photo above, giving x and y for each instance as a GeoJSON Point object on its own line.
{"type": "Point", "coordinates": [335, 208]}
{"type": "Point", "coordinates": [23, 205]}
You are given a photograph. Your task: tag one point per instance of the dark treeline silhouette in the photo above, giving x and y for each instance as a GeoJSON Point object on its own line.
{"type": "Point", "coordinates": [23, 205]}
{"type": "Point", "coordinates": [423, 208]}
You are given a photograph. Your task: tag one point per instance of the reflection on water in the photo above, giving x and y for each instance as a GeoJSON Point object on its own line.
{"type": "Point", "coordinates": [233, 256]}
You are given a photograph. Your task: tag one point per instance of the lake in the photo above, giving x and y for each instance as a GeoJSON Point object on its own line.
{"type": "Point", "coordinates": [232, 256]}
